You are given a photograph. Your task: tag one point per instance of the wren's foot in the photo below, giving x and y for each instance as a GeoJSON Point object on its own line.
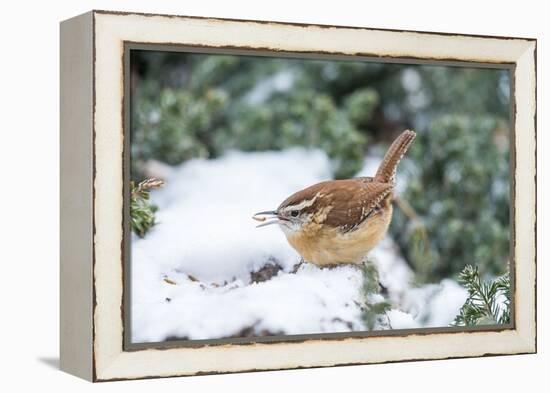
{"type": "Point", "coordinates": [297, 266]}
{"type": "Point", "coordinates": [329, 266]}
{"type": "Point", "coordinates": [335, 265]}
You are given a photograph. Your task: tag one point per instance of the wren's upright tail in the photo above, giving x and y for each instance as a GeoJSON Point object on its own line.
{"type": "Point", "coordinates": [386, 171]}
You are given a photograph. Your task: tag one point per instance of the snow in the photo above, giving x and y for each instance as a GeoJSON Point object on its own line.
{"type": "Point", "coordinates": [434, 305]}
{"type": "Point", "coordinates": [402, 320]}
{"type": "Point", "coordinates": [191, 274]}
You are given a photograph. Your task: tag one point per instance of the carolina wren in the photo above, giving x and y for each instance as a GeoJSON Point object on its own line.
{"type": "Point", "coordinates": [340, 221]}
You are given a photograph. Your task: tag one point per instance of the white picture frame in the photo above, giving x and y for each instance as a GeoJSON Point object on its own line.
{"type": "Point", "coordinates": [92, 194]}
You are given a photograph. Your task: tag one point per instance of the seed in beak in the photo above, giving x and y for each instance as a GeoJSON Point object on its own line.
{"type": "Point", "coordinates": [259, 216]}
{"type": "Point", "coordinates": [263, 216]}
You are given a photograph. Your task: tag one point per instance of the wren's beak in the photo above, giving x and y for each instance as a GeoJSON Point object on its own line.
{"type": "Point", "coordinates": [271, 215]}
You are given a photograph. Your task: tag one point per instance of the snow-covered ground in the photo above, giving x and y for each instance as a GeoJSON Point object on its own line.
{"type": "Point", "coordinates": [204, 271]}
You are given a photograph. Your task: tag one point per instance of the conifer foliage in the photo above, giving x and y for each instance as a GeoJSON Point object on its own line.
{"type": "Point", "coordinates": [488, 301]}
{"type": "Point", "coordinates": [142, 211]}
{"type": "Point", "coordinates": [375, 306]}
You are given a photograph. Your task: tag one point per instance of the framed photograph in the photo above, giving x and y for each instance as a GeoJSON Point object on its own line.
{"type": "Point", "coordinates": [247, 195]}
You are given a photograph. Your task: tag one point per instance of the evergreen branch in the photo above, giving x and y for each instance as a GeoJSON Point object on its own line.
{"type": "Point", "coordinates": [375, 305]}
{"type": "Point", "coordinates": [142, 212]}
{"type": "Point", "coordinates": [484, 304]}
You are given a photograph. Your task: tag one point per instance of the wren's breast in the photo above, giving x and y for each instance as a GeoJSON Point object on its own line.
{"type": "Point", "coordinates": [326, 245]}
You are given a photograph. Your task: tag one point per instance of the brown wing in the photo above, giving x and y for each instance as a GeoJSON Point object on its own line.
{"type": "Point", "coordinates": [329, 190]}
{"type": "Point", "coordinates": [357, 200]}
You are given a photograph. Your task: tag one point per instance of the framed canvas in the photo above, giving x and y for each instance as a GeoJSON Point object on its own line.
{"type": "Point", "coordinates": [243, 195]}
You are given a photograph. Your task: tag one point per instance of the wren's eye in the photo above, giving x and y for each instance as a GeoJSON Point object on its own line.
{"type": "Point", "coordinates": [294, 213]}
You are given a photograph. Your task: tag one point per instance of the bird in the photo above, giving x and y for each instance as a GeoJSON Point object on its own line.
{"type": "Point", "coordinates": [339, 221]}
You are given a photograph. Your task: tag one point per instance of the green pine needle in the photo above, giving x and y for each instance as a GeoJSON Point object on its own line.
{"type": "Point", "coordinates": [374, 308]}
{"type": "Point", "coordinates": [142, 211]}
{"type": "Point", "coordinates": [482, 307]}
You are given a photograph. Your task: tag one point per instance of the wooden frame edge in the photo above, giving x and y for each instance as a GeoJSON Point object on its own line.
{"type": "Point", "coordinates": [76, 196]}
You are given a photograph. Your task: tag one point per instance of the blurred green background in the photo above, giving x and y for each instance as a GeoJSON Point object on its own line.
{"type": "Point", "coordinates": [186, 105]}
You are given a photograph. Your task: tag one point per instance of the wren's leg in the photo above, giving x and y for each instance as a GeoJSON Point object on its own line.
{"type": "Point", "coordinates": [330, 266]}
{"type": "Point", "coordinates": [357, 266]}
{"type": "Point", "coordinates": [297, 266]}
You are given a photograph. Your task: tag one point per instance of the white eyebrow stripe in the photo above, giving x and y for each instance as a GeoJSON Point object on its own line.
{"type": "Point", "coordinates": [302, 205]}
